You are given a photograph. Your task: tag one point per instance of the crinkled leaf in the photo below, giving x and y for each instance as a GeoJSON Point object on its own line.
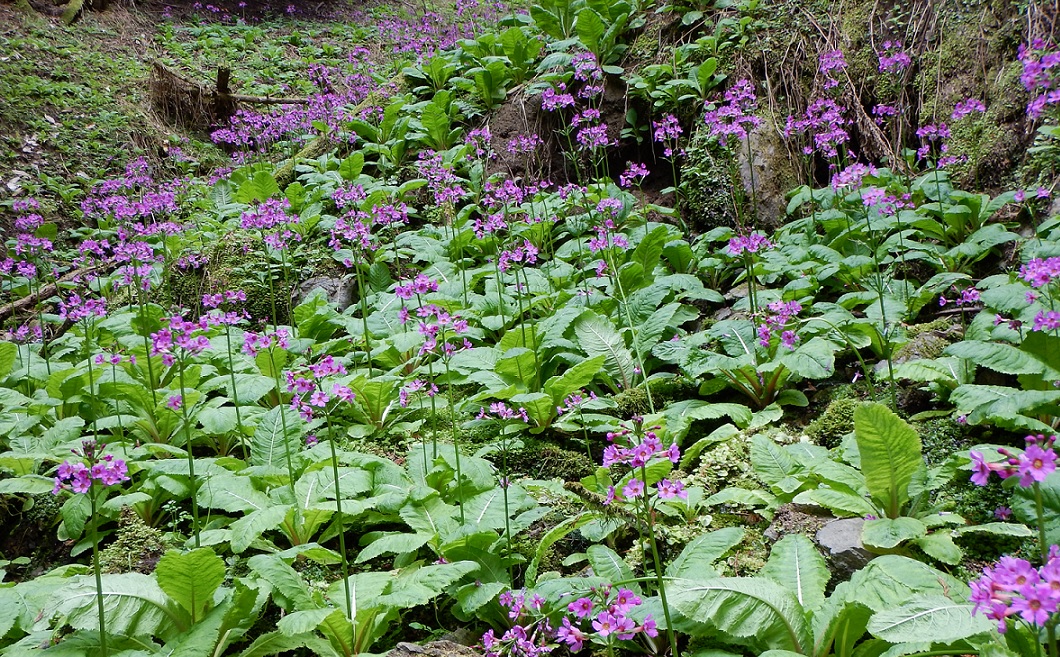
{"type": "Point", "coordinates": [190, 579]}
{"type": "Point", "coordinates": [748, 611]}
{"type": "Point", "coordinates": [795, 563]}
{"type": "Point", "coordinates": [696, 560]}
{"type": "Point", "coordinates": [932, 618]}
{"type": "Point", "coordinates": [890, 454]}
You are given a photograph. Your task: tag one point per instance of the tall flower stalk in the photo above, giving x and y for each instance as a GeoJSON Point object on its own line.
{"type": "Point", "coordinates": [310, 394]}
{"type": "Point", "coordinates": [178, 344]}
{"type": "Point", "coordinates": [90, 474]}
{"type": "Point", "coordinates": [631, 451]}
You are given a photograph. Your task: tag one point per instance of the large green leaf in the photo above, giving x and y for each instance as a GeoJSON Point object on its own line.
{"type": "Point", "coordinates": [190, 579]}
{"type": "Point", "coordinates": [890, 455]}
{"type": "Point", "coordinates": [796, 564]}
{"type": "Point", "coordinates": [8, 351]}
{"type": "Point", "coordinates": [133, 603]}
{"type": "Point", "coordinates": [598, 337]}
{"type": "Point", "coordinates": [930, 618]}
{"type": "Point", "coordinates": [607, 564]}
{"type": "Point", "coordinates": [232, 493]}
{"type": "Point", "coordinates": [271, 443]}
{"type": "Point", "coordinates": [574, 379]}
{"type": "Point", "coordinates": [889, 533]}
{"type": "Point", "coordinates": [998, 356]}
{"type": "Point", "coordinates": [748, 611]}
{"type": "Point", "coordinates": [696, 560]}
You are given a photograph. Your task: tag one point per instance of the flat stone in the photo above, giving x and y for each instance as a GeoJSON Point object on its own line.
{"type": "Point", "coordinates": [841, 542]}
{"type": "Point", "coordinates": [337, 290]}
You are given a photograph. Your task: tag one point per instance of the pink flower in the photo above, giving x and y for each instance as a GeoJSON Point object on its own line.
{"type": "Point", "coordinates": [175, 402]}
{"type": "Point", "coordinates": [633, 490]}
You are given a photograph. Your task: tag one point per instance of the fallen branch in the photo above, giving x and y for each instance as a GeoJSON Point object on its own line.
{"type": "Point", "coordinates": [48, 290]}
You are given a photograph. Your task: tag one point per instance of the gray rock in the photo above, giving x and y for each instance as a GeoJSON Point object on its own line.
{"type": "Point", "coordinates": [797, 519]}
{"type": "Point", "coordinates": [337, 290]}
{"type": "Point", "coordinates": [441, 648]}
{"type": "Point", "coordinates": [769, 169]}
{"type": "Point", "coordinates": [841, 542]}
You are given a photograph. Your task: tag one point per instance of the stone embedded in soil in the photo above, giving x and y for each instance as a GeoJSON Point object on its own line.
{"type": "Point", "coordinates": [338, 291]}
{"type": "Point", "coordinates": [797, 519]}
{"type": "Point", "coordinates": [441, 648]}
{"type": "Point", "coordinates": [841, 541]}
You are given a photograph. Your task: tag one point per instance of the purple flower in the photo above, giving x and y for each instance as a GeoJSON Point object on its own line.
{"type": "Point", "coordinates": [582, 607]}
{"type": "Point", "coordinates": [1036, 464]}
{"type": "Point", "coordinates": [633, 489]}
{"type": "Point", "coordinates": [966, 107]}
{"type": "Point", "coordinates": [830, 62]}
{"type": "Point", "coordinates": [735, 116]}
{"type": "Point", "coordinates": [175, 402]}
{"type": "Point", "coordinates": [893, 59]}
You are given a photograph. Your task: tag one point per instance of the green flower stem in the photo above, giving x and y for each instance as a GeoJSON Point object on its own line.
{"type": "Point", "coordinates": [191, 457]}
{"type": "Point", "coordinates": [629, 322]}
{"type": "Point", "coordinates": [235, 392]}
{"type": "Point", "coordinates": [95, 567]}
{"type": "Point", "coordinates": [362, 292]}
{"type": "Point", "coordinates": [283, 421]}
{"type": "Point", "coordinates": [452, 422]}
{"type": "Point", "coordinates": [1043, 546]}
{"type": "Point", "coordinates": [332, 439]}
{"type": "Point", "coordinates": [660, 581]}
{"type": "Point", "coordinates": [147, 352]}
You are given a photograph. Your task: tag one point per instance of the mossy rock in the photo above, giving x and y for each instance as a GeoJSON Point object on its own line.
{"type": "Point", "coordinates": [707, 185]}
{"type": "Point", "coordinates": [543, 460]}
{"type": "Point", "coordinates": [137, 548]}
{"type": "Point", "coordinates": [836, 421]}
{"type": "Point", "coordinates": [237, 261]}
{"type": "Point", "coordinates": [928, 340]}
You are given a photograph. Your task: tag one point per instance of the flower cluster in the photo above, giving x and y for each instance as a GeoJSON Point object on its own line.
{"type": "Point", "coordinates": [525, 254]}
{"type": "Point", "coordinates": [255, 342]}
{"type": "Point", "coordinates": [893, 58]}
{"type": "Point", "coordinates": [667, 132]}
{"type": "Point", "coordinates": [633, 175]}
{"type": "Point", "coordinates": [824, 123]}
{"type": "Point", "coordinates": [934, 139]}
{"type": "Point", "coordinates": [782, 312]}
{"type": "Point", "coordinates": [528, 637]}
{"type": "Point", "coordinates": [1014, 587]}
{"type": "Point", "coordinates": [750, 243]}
{"type": "Point", "coordinates": [1040, 67]}
{"type": "Point", "coordinates": [829, 63]}
{"type": "Point", "coordinates": [420, 285]}
{"type": "Point", "coordinates": [735, 116]}
{"type": "Point", "coordinates": [309, 389]}
{"type": "Point", "coordinates": [501, 411]}
{"type": "Point", "coordinates": [641, 450]}
{"type": "Point", "coordinates": [553, 99]}
{"type": "Point", "coordinates": [433, 328]}
{"type": "Point", "coordinates": [607, 614]}
{"type": "Point", "coordinates": [967, 107]}
{"type": "Point", "coordinates": [419, 385]}
{"type": "Point", "coordinates": [968, 296]}
{"type": "Point", "coordinates": [181, 337]}
{"type": "Point", "coordinates": [1040, 272]}
{"type": "Point", "coordinates": [1032, 465]}
{"type": "Point", "coordinates": [75, 308]}
{"type": "Point", "coordinates": [574, 401]}
{"type": "Point", "coordinates": [92, 466]}
{"type": "Point", "coordinates": [607, 237]}
{"type": "Point", "coordinates": [441, 181]}
{"type": "Point", "coordinates": [272, 219]}
{"type": "Point", "coordinates": [215, 301]}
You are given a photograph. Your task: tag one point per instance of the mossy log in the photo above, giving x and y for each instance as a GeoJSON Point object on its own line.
{"type": "Point", "coordinates": [72, 11]}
